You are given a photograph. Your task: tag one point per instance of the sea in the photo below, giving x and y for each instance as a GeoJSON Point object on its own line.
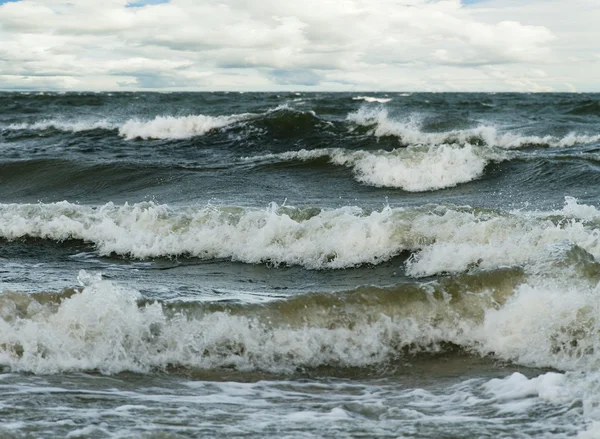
{"type": "Point", "coordinates": [299, 265]}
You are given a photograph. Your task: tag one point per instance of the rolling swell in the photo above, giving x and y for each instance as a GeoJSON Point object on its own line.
{"type": "Point", "coordinates": [586, 108]}
{"type": "Point", "coordinates": [56, 178]}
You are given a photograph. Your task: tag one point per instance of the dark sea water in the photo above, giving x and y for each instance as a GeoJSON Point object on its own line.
{"type": "Point", "coordinates": [299, 265]}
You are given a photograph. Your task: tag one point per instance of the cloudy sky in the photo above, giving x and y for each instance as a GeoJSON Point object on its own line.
{"type": "Point", "coordinates": [392, 45]}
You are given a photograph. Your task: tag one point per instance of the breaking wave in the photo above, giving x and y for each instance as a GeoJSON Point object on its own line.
{"type": "Point", "coordinates": [280, 119]}
{"type": "Point", "coordinates": [414, 169]}
{"type": "Point", "coordinates": [107, 327]}
{"type": "Point", "coordinates": [169, 127]}
{"type": "Point", "coordinates": [161, 127]}
{"type": "Point", "coordinates": [285, 120]}
{"type": "Point", "coordinates": [441, 239]}
{"type": "Point", "coordinates": [372, 99]}
{"type": "Point", "coordinates": [75, 126]}
{"type": "Point", "coordinates": [409, 133]}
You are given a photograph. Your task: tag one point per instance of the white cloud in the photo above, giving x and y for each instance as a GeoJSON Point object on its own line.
{"type": "Point", "coordinates": [313, 44]}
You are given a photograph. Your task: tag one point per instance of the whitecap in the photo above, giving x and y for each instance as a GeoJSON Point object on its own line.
{"type": "Point", "coordinates": [372, 99]}
{"type": "Point", "coordinates": [414, 169]}
{"type": "Point", "coordinates": [409, 132]}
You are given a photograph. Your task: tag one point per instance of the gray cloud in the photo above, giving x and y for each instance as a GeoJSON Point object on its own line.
{"type": "Point", "coordinates": [294, 77]}
{"type": "Point", "coordinates": [270, 44]}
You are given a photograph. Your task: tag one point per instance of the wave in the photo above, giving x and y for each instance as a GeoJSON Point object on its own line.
{"type": "Point", "coordinates": [458, 240]}
{"type": "Point", "coordinates": [58, 179]}
{"type": "Point", "coordinates": [161, 127]}
{"type": "Point", "coordinates": [277, 235]}
{"type": "Point", "coordinates": [586, 108]}
{"type": "Point", "coordinates": [409, 133]}
{"type": "Point", "coordinates": [441, 239]}
{"type": "Point", "coordinates": [413, 169]}
{"type": "Point", "coordinates": [281, 119]}
{"type": "Point", "coordinates": [372, 99]}
{"type": "Point", "coordinates": [284, 120]}
{"type": "Point", "coordinates": [106, 327]}
{"type": "Point", "coordinates": [169, 127]}
{"type": "Point", "coordinates": [75, 126]}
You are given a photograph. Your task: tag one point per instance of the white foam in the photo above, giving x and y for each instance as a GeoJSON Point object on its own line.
{"type": "Point", "coordinates": [548, 323]}
{"type": "Point", "coordinates": [169, 127]}
{"type": "Point", "coordinates": [409, 132]}
{"type": "Point", "coordinates": [548, 386]}
{"type": "Point", "coordinates": [568, 400]}
{"type": "Point", "coordinates": [372, 99]}
{"type": "Point", "coordinates": [573, 209]}
{"type": "Point", "coordinates": [65, 125]}
{"type": "Point", "coordinates": [414, 169]}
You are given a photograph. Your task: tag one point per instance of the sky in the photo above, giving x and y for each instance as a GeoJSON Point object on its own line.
{"type": "Point", "coordinates": [335, 45]}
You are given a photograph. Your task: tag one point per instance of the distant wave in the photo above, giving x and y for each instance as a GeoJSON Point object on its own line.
{"type": "Point", "coordinates": [585, 108]}
{"type": "Point", "coordinates": [409, 133]}
{"type": "Point", "coordinates": [169, 127]}
{"type": "Point", "coordinates": [173, 127]}
{"type": "Point", "coordinates": [372, 99]}
{"type": "Point", "coordinates": [285, 120]}
{"type": "Point", "coordinates": [414, 169]}
{"type": "Point", "coordinates": [75, 126]}
{"type": "Point", "coordinates": [161, 127]}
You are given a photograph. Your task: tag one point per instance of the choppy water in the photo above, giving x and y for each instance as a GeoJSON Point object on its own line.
{"type": "Point", "coordinates": [299, 265]}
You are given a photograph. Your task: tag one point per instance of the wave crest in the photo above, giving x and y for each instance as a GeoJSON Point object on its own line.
{"type": "Point", "coordinates": [169, 127]}
{"type": "Point", "coordinates": [409, 133]}
{"type": "Point", "coordinates": [413, 169]}
{"type": "Point", "coordinates": [76, 126]}
{"type": "Point", "coordinates": [372, 99]}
